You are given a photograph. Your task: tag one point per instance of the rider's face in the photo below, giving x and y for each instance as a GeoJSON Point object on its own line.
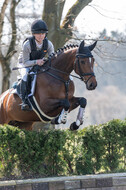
{"type": "Point", "coordinates": [40, 37]}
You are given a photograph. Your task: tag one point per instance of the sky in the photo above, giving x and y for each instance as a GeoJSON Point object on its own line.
{"type": "Point", "coordinates": [100, 14]}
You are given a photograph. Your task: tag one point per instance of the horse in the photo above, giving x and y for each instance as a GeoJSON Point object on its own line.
{"type": "Point", "coordinates": [54, 90]}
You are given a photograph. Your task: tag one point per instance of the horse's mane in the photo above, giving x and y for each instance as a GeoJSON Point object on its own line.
{"type": "Point", "coordinates": [61, 50]}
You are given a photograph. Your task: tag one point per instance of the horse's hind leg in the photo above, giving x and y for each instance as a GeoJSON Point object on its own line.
{"type": "Point", "coordinates": [80, 117]}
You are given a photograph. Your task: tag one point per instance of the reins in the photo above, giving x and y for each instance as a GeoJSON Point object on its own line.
{"type": "Point", "coordinates": [64, 72]}
{"type": "Point", "coordinates": [81, 74]}
{"type": "Point", "coordinates": [66, 82]}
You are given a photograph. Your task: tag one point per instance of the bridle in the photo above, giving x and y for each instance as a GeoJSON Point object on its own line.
{"type": "Point", "coordinates": [81, 74]}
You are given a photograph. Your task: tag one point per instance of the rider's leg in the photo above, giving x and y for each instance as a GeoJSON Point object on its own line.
{"type": "Point", "coordinates": [24, 105]}
{"type": "Point", "coordinates": [24, 90]}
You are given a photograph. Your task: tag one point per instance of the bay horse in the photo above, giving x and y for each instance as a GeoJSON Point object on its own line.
{"type": "Point", "coordinates": [54, 89]}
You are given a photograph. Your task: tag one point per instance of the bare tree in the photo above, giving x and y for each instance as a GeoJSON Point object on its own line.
{"type": "Point", "coordinates": [5, 56]}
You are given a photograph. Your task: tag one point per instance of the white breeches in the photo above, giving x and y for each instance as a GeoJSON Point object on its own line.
{"type": "Point", "coordinates": [23, 72]}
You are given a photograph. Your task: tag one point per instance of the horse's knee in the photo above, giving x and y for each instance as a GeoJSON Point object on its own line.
{"type": "Point", "coordinates": [66, 104]}
{"type": "Point", "coordinates": [83, 102]}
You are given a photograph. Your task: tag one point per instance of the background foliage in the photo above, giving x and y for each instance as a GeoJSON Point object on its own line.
{"type": "Point", "coordinates": [95, 149]}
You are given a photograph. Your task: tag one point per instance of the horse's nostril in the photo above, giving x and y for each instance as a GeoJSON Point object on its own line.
{"type": "Point", "coordinates": [91, 85]}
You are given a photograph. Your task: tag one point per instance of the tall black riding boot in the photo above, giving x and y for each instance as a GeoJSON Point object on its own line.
{"type": "Point", "coordinates": [24, 106]}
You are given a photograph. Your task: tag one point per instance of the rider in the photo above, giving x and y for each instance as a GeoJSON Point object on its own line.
{"type": "Point", "coordinates": [33, 52]}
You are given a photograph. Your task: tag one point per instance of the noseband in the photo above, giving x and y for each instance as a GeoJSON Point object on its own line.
{"type": "Point", "coordinates": [81, 74]}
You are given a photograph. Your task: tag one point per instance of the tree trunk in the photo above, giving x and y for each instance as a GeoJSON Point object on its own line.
{"type": "Point", "coordinates": [52, 15]}
{"type": "Point", "coordinates": [59, 33]}
{"type": "Point", "coordinates": [5, 59]}
{"type": "Point", "coordinates": [6, 74]}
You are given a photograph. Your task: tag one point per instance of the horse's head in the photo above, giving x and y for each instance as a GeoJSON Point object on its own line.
{"type": "Point", "coordinates": [84, 63]}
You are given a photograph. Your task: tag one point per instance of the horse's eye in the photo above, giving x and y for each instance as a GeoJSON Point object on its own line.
{"type": "Point", "coordinates": [82, 62]}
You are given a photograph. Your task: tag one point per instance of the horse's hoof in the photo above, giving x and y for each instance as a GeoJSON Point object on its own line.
{"type": "Point", "coordinates": [73, 126]}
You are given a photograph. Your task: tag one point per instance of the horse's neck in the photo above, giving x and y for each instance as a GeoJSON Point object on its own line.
{"type": "Point", "coordinates": [65, 61]}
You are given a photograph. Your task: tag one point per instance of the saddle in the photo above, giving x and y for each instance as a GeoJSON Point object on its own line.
{"type": "Point", "coordinates": [31, 77]}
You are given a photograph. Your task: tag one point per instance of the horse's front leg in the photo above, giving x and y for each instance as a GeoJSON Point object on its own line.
{"type": "Point", "coordinates": [75, 102]}
{"type": "Point", "coordinates": [62, 118]}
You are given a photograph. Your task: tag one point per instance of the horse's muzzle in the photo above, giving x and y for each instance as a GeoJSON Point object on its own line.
{"type": "Point", "coordinates": [91, 85]}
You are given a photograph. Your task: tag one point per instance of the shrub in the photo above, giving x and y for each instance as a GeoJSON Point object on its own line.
{"type": "Point", "coordinates": [56, 152]}
{"type": "Point", "coordinates": [114, 135]}
{"type": "Point", "coordinates": [90, 159]}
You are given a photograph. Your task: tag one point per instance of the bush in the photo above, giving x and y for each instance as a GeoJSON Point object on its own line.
{"type": "Point", "coordinates": [55, 152]}
{"type": "Point", "coordinates": [31, 152]}
{"type": "Point", "coordinates": [90, 160]}
{"type": "Point", "coordinates": [114, 136]}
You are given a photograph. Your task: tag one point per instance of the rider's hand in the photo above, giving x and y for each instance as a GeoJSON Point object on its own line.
{"type": "Point", "coordinates": [40, 62]}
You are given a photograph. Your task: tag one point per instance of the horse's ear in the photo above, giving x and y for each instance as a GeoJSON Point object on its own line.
{"type": "Point", "coordinates": [81, 47]}
{"type": "Point", "coordinates": [91, 47]}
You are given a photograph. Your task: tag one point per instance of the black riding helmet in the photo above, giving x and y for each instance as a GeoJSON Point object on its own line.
{"type": "Point", "coordinates": [39, 26]}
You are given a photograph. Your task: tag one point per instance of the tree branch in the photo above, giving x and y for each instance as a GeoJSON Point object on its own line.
{"type": "Point", "coordinates": [13, 26]}
{"type": "Point", "coordinates": [17, 2]}
{"type": "Point", "coordinates": [2, 14]}
{"type": "Point", "coordinates": [73, 13]}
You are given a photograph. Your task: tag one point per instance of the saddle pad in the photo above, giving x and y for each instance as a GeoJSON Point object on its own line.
{"type": "Point", "coordinates": [43, 117]}
{"type": "Point", "coordinates": [36, 108]}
